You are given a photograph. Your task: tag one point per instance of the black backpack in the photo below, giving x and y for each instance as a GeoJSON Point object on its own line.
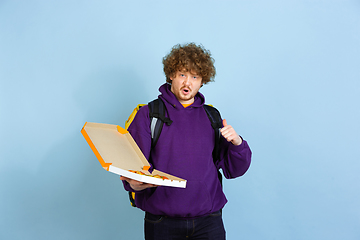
{"type": "Point", "coordinates": [157, 111]}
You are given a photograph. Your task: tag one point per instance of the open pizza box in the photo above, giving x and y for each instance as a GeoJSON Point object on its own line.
{"type": "Point", "coordinates": [118, 153]}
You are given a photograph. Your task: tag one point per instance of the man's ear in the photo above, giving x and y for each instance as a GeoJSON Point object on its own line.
{"type": "Point", "coordinates": [170, 79]}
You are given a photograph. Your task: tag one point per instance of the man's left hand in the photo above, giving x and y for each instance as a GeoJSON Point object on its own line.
{"type": "Point", "coordinates": [229, 133]}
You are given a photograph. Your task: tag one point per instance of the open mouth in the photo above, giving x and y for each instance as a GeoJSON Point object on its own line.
{"type": "Point", "coordinates": [185, 90]}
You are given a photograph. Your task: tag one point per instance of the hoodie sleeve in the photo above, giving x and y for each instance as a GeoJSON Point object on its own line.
{"type": "Point", "coordinates": [140, 131]}
{"type": "Point", "coordinates": [234, 160]}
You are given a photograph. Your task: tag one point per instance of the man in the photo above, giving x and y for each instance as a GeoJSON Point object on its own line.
{"type": "Point", "coordinates": [184, 149]}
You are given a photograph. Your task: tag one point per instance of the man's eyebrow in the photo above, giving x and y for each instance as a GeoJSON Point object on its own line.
{"type": "Point", "coordinates": [195, 74]}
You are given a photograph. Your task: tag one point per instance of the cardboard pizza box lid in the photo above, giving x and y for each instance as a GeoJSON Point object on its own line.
{"type": "Point", "coordinates": [118, 153]}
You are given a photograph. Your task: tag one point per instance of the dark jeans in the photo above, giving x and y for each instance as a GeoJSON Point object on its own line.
{"type": "Point", "coordinates": [210, 227]}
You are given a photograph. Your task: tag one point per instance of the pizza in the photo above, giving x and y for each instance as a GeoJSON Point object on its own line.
{"type": "Point", "coordinates": [155, 176]}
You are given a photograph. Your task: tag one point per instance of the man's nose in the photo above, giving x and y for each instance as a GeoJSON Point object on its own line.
{"type": "Point", "coordinates": [187, 81]}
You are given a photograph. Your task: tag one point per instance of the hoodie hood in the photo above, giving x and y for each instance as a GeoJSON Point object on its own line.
{"type": "Point", "coordinates": [170, 97]}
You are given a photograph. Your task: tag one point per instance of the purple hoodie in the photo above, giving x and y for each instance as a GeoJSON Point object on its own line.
{"type": "Point", "coordinates": [184, 149]}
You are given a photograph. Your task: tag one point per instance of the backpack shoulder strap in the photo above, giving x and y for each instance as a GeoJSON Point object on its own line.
{"type": "Point", "coordinates": [216, 123]}
{"type": "Point", "coordinates": [214, 116]}
{"type": "Point", "coordinates": [157, 115]}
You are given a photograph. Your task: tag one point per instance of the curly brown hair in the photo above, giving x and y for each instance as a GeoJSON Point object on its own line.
{"type": "Point", "coordinates": [191, 58]}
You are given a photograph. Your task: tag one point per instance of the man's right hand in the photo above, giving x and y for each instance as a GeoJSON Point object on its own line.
{"type": "Point", "coordinates": [136, 185]}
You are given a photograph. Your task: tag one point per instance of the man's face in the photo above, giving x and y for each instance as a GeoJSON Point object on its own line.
{"type": "Point", "coordinates": [185, 86]}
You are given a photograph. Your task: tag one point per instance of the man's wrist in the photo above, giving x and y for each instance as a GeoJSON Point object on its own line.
{"type": "Point", "coordinates": [238, 142]}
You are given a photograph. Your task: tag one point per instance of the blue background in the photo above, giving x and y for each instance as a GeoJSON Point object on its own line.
{"type": "Point", "coordinates": [288, 80]}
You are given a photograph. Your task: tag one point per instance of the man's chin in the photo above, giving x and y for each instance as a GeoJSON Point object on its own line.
{"type": "Point", "coordinates": [187, 100]}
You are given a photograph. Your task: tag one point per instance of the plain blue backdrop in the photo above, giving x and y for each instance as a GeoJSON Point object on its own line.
{"type": "Point", "coordinates": [288, 80]}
